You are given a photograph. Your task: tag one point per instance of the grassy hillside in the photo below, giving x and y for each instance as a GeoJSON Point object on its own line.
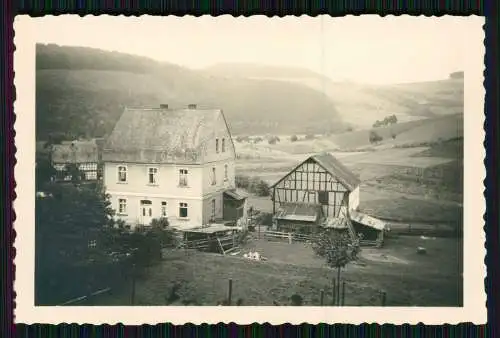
{"type": "Point", "coordinates": [405, 133]}
{"type": "Point", "coordinates": [82, 91]}
{"type": "Point", "coordinates": [413, 133]}
{"type": "Point", "coordinates": [361, 105]}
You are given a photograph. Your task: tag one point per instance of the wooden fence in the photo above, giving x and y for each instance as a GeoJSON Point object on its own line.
{"type": "Point", "coordinates": [289, 236]}
{"type": "Point", "coordinates": [297, 237]}
{"type": "Point", "coordinates": [223, 243]}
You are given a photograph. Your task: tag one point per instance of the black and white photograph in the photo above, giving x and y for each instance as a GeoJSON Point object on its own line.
{"type": "Point", "coordinates": [196, 163]}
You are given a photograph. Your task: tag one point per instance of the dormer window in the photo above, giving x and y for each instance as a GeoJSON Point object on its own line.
{"type": "Point", "coordinates": [217, 145]}
{"type": "Point", "coordinates": [223, 145]}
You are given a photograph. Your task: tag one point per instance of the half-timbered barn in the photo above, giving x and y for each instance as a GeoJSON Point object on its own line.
{"type": "Point", "coordinates": [318, 189]}
{"type": "Point", "coordinates": [80, 157]}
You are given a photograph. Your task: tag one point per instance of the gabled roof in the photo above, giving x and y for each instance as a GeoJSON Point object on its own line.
{"type": "Point", "coordinates": [334, 167]}
{"type": "Point", "coordinates": [161, 135]}
{"type": "Point", "coordinates": [307, 212]}
{"type": "Point", "coordinates": [76, 152]}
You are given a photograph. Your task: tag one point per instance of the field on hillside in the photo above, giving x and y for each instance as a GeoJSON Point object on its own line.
{"type": "Point", "coordinates": [408, 278]}
{"type": "Point", "coordinates": [406, 134]}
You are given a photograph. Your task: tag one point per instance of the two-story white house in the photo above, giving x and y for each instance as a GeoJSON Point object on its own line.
{"type": "Point", "coordinates": [173, 163]}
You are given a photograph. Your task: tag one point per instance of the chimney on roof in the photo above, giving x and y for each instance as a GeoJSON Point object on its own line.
{"type": "Point", "coordinates": [192, 106]}
{"type": "Point", "coordinates": [164, 106]}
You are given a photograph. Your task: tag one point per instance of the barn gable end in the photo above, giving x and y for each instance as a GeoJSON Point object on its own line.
{"type": "Point", "coordinates": [320, 179]}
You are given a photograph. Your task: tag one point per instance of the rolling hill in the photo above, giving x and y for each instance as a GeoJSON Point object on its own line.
{"type": "Point", "coordinates": [406, 133]}
{"type": "Point", "coordinates": [418, 133]}
{"type": "Point", "coordinates": [360, 105]}
{"type": "Point", "coordinates": [82, 92]}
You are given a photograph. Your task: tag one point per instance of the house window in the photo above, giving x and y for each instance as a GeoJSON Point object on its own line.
{"type": "Point", "coordinates": [183, 177]}
{"type": "Point", "coordinates": [164, 209]}
{"type": "Point", "coordinates": [122, 206]}
{"type": "Point", "coordinates": [153, 175]}
{"type": "Point", "coordinates": [223, 145]}
{"type": "Point", "coordinates": [183, 210]}
{"type": "Point", "coordinates": [122, 174]}
{"type": "Point", "coordinates": [214, 179]}
{"type": "Point", "coordinates": [216, 145]}
{"type": "Point", "coordinates": [225, 172]}
{"type": "Point", "coordinates": [92, 244]}
{"type": "Point", "coordinates": [323, 197]}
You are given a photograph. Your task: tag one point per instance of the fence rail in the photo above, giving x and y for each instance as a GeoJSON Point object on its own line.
{"type": "Point", "coordinates": [205, 244]}
{"type": "Point", "coordinates": [296, 237]}
{"type": "Point", "coordinates": [288, 236]}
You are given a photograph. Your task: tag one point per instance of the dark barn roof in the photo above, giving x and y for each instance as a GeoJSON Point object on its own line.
{"type": "Point", "coordinates": [334, 167]}
{"type": "Point", "coordinates": [75, 152]}
{"type": "Point", "coordinates": [161, 135]}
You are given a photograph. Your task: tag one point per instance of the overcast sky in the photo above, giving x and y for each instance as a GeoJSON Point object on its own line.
{"type": "Point", "coordinates": [367, 49]}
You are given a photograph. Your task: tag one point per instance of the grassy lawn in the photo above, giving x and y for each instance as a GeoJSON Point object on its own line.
{"type": "Point", "coordinates": [413, 210]}
{"type": "Point", "coordinates": [408, 278]}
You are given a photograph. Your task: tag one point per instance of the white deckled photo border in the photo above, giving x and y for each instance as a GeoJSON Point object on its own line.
{"type": "Point", "coordinates": [474, 309]}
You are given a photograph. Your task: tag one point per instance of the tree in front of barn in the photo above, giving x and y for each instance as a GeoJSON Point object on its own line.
{"type": "Point", "coordinates": [338, 248]}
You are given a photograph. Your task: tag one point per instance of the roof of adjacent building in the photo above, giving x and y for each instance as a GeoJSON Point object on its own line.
{"type": "Point", "coordinates": [161, 135]}
{"type": "Point", "coordinates": [78, 151]}
{"type": "Point", "coordinates": [367, 220]}
{"type": "Point", "coordinates": [335, 223]}
{"type": "Point", "coordinates": [307, 212]}
{"type": "Point", "coordinates": [236, 194]}
{"type": "Point", "coordinates": [334, 167]}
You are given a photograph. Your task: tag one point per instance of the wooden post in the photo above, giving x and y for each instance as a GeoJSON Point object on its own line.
{"type": "Point", "coordinates": [289, 238]}
{"type": "Point", "coordinates": [321, 297]}
{"type": "Point", "coordinates": [132, 296]}
{"type": "Point", "coordinates": [382, 297]}
{"type": "Point", "coordinates": [334, 288]}
{"type": "Point", "coordinates": [338, 286]}
{"type": "Point", "coordinates": [343, 293]}
{"type": "Point", "coordinates": [230, 292]}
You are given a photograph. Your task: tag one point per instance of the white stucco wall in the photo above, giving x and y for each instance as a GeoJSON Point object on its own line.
{"type": "Point", "coordinates": [354, 199]}
{"type": "Point", "coordinates": [198, 193]}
